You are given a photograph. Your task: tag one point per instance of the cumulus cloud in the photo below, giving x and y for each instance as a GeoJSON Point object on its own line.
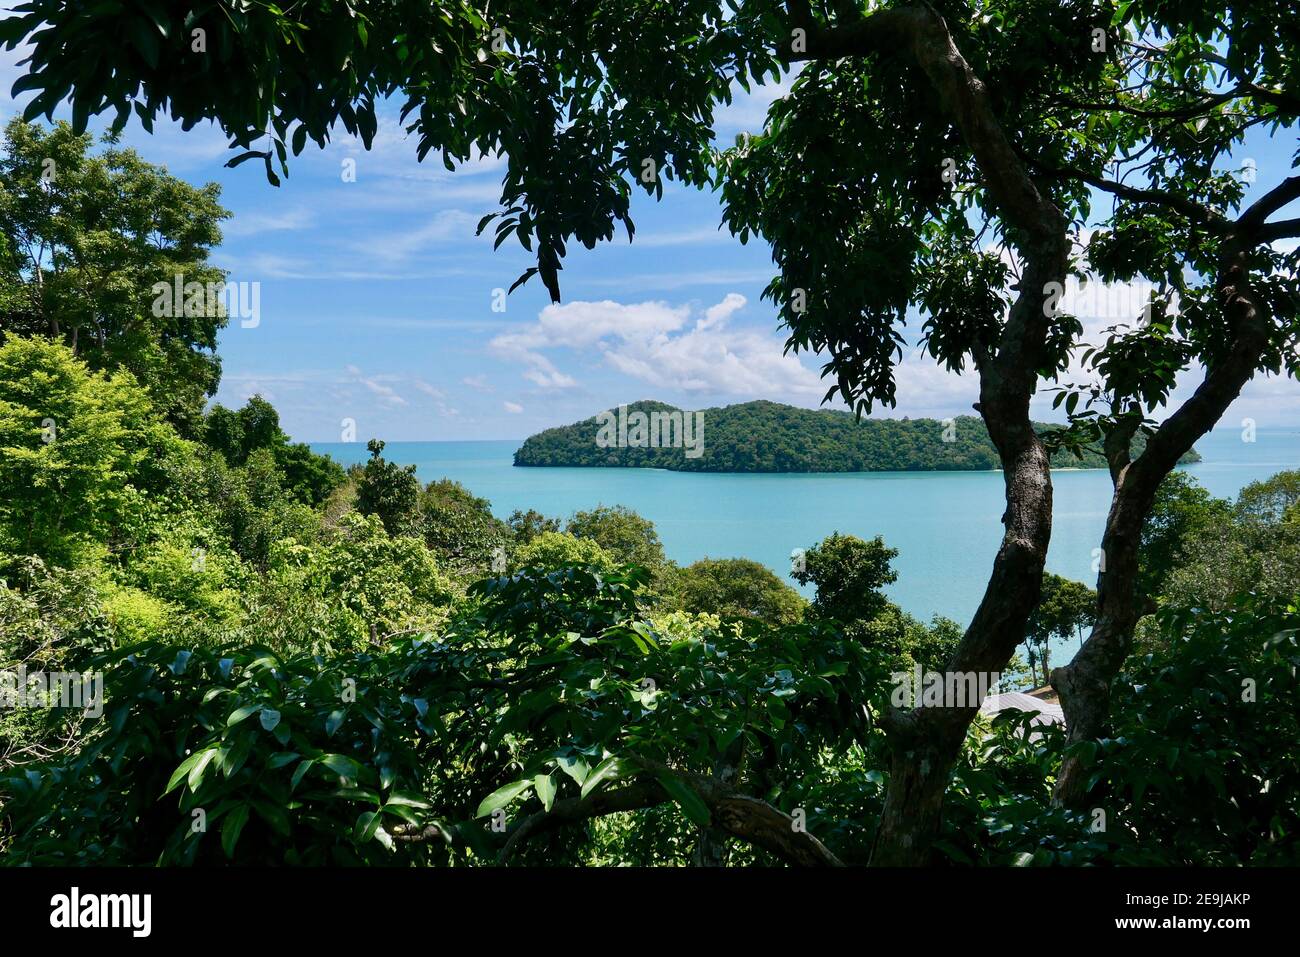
{"type": "Point", "coordinates": [659, 344]}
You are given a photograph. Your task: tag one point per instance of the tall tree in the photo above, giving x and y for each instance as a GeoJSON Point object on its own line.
{"type": "Point", "coordinates": [85, 239]}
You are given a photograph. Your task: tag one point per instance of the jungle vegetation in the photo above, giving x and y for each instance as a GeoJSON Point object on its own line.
{"type": "Point", "coordinates": [546, 714]}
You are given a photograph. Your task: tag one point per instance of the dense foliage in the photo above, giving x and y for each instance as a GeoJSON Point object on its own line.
{"type": "Point", "coordinates": [287, 681]}
{"type": "Point", "coordinates": [85, 239]}
{"type": "Point", "coordinates": [958, 158]}
{"type": "Point", "coordinates": [328, 675]}
{"type": "Point", "coordinates": [767, 436]}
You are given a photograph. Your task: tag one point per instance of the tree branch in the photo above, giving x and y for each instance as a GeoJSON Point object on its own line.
{"type": "Point", "coordinates": [748, 818]}
{"type": "Point", "coordinates": [1282, 229]}
{"type": "Point", "coordinates": [1268, 204]}
{"type": "Point", "coordinates": [1203, 215]}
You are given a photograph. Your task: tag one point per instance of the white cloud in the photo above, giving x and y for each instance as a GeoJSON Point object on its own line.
{"type": "Point", "coordinates": [514, 408]}
{"type": "Point", "coordinates": [685, 237]}
{"type": "Point", "coordinates": [654, 343]}
{"type": "Point", "coordinates": [377, 386]}
{"type": "Point", "coordinates": [397, 247]}
{"type": "Point", "coordinates": [254, 224]}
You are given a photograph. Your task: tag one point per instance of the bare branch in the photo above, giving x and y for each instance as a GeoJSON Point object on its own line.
{"type": "Point", "coordinates": [1268, 204]}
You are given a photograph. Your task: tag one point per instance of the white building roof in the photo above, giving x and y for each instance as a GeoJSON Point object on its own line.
{"type": "Point", "coordinates": [1047, 713]}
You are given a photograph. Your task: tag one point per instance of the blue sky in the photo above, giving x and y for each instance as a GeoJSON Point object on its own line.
{"type": "Point", "coordinates": [376, 300]}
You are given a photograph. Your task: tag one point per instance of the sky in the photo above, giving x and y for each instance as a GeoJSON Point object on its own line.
{"type": "Point", "coordinates": [376, 299]}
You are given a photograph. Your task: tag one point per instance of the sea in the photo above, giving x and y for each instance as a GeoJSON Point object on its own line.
{"type": "Point", "coordinates": [945, 525]}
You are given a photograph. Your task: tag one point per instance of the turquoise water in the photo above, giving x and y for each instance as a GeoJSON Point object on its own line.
{"type": "Point", "coordinates": [946, 525]}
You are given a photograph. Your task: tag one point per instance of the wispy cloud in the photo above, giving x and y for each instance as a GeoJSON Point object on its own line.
{"type": "Point", "coordinates": [253, 224]}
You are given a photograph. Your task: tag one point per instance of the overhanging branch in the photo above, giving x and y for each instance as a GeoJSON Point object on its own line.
{"type": "Point", "coordinates": [747, 818]}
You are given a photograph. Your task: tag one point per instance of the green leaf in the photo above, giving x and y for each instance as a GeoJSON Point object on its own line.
{"type": "Point", "coordinates": [341, 765]}
{"type": "Point", "coordinates": [270, 718]}
{"type": "Point", "coordinates": [407, 799]}
{"type": "Point", "coordinates": [196, 772]}
{"type": "Point", "coordinates": [692, 804]}
{"type": "Point", "coordinates": [333, 722]}
{"type": "Point", "coordinates": [185, 767]}
{"type": "Point", "coordinates": [545, 787]}
{"type": "Point", "coordinates": [574, 766]}
{"type": "Point", "coordinates": [240, 713]}
{"type": "Point", "coordinates": [608, 770]}
{"type": "Point", "coordinates": [367, 825]}
{"type": "Point", "coordinates": [282, 759]}
{"type": "Point", "coordinates": [298, 773]}
{"type": "Point", "coordinates": [237, 754]}
{"type": "Point", "coordinates": [231, 828]}
{"type": "Point", "coordinates": [503, 796]}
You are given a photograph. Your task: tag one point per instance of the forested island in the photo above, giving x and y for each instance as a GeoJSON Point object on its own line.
{"type": "Point", "coordinates": [764, 436]}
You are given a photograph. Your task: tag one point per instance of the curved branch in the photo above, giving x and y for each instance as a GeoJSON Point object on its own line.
{"type": "Point", "coordinates": [1203, 215]}
{"type": "Point", "coordinates": [633, 797]}
{"type": "Point", "coordinates": [748, 818]}
{"type": "Point", "coordinates": [1280, 195]}
{"type": "Point", "coordinates": [414, 834]}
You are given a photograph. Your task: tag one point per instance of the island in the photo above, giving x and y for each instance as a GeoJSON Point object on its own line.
{"type": "Point", "coordinates": [763, 436]}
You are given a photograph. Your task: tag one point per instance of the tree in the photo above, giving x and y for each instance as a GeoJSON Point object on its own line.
{"type": "Point", "coordinates": [389, 491]}
{"type": "Point", "coordinates": [848, 574]}
{"type": "Point", "coordinates": [527, 525]}
{"type": "Point", "coordinates": [461, 529]}
{"type": "Point", "coordinates": [237, 434]}
{"type": "Point", "coordinates": [1225, 551]}
{"type": "Point", "coordinates": [1064, 609]}
{"type": "Point", "coordinates": [71, 444]}
{"type": "Point", "coordinates": [87, 237]}
{"type": "Point", "coordinates": [627, 537]}
{"type": "Point", "coordinates": [1182, 511]}
{"type": "Point", "coordinates": [1029, 110]}
{"type": "Point", "coordinates": [735, 588]}
{"type": "Point", "coordinates": [1272, 500]}
{"type": "Point", "coordinates": [552, 550]}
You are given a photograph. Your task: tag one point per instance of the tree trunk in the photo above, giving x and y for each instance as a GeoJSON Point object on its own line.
{"type": "Point", "coordinates": [925, 742]}
{"type": "Point", "coordinates": [1085, 683]}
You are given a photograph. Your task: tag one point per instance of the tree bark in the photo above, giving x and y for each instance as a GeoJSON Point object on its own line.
{"type": "Point", "coordinates": [1085, 684]}
{"type": "Point", "coordinates": [739, 815]}
{"type": "Point", "coordinates": [925, 742]}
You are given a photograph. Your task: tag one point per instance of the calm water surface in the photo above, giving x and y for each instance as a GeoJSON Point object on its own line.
{"type": "Point", "coordinates": [946, 525]}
